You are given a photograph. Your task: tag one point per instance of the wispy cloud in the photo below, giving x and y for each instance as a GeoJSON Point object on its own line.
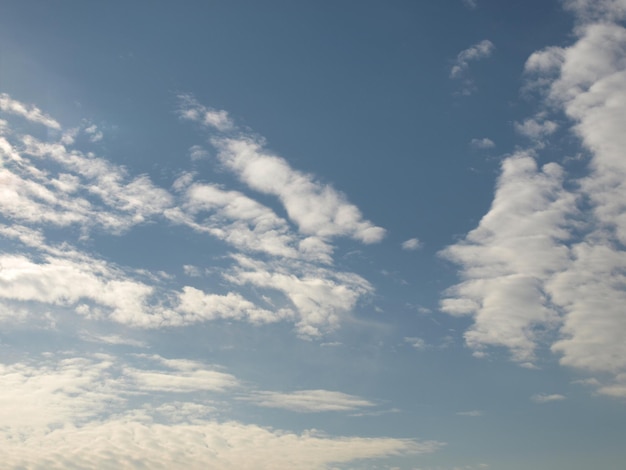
{"type": "Point", "coordinates": [483, 143]}
{"type": "Point", "coordinates": [471, 413]}
{"type": "Point", "coordinates": [417, 343]}
{"type": "Point", "coordinates": [412, 244]}
{"type": "Point", "coordinates": [71, 411]}
{"type": "Point", "coordinates": [308, 401]}
{"type": "Point", "coordinates": [478, 51]}
{"type": "Point", "coordinates": [317, 208]}
{"type": "Point", "coordinates": [542, 398]}
{"type": "Point", "coordinates": [471, 4]}
{"type": "Point", "coordinates": [54, 184]}
{"type": "Point", "coordinates": [29, 112]}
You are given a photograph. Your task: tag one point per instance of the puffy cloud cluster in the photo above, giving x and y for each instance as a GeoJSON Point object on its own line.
{"type": "Point", "coordinates": [549, 254]}
{"type": "Point", "coordinates": [55, 185]}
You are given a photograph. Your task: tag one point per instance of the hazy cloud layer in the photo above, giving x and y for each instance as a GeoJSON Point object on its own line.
{"type": "Point", "coordinates": [93, 412]}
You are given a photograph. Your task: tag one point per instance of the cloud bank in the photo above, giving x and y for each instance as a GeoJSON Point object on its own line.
{"type": "Point", "coordinates": [546, 264]}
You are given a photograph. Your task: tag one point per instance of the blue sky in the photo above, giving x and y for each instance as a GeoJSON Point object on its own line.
{"type": "Point", "coordinates": [313, 235]}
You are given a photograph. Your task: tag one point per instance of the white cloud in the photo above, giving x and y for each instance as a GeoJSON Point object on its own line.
{"type": "Point", "coordinates": [83, 190]}
{"type": "Point", "coordinates": [541, 261]}
{"type": "Point", "coordinates": [319, 296]}
{"type": "Point", "coordinates": [536, 128]}
{"type": "Point", "coordinates": [197, 305]}
{"type": "Point", "coordinates": [478, 51]}
{"type": "Point", "coordinates": [545, 398]}
{"type": "Point", "coordinates": [70, 282]}
{"type": "Point", "coordinates": [317, 209]}
{"type": "Point", "coordinates": [308, 401]}
{"type": "Point", "coordinates": [471, 413]}
{"type": "Point", "coordinates": [545, 61]}
{"type": "Point", "coordinates": [417, 343]}
{"type": "Point", "coordinates": [196, 152]}
{"type": "Point", "coordinates": [190, 109]}
{"type": "Point", "coordinates": [111, 339]}
{"type": "Point", "coordinates": [184, 376]}
{"type": "Point", "coordinates": [597, 10]}
{"type": "Point", "coordinates": [411, 244]}
{"type": "Point", "coordinates": [240, 221]}
{"type": "Point", "coordinates": [47, 184]}
{"type": "Point", "coordinates": [517, 246]}
{"type": "Point", "coordinates": [192, 271]}
{"type": "Point", "coordinates": [74, 412]}
{"type": "Point", "coordinates": [95, 135]}
{"type": "Point", "coordinates": [29, 112]}
{"type": "Point", "coordinates": [483, 143]}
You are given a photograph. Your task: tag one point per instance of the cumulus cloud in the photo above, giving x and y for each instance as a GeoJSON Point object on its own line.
{"type": "Point", "coordinates": [52, 184]}
{"type": "Point", "coordinates": [554, 260]}
{"type": "Point", "coordinates": [517, 246]}
{"type": "Point", "coordinates": [318, 209]}
{"type": "Point", "coordinates": [197, 305]}
{"type": "Point", "coordinates": [536, 128]}
{"type": "Point", "coordinates": [189, 108]}
{"type": "Point", "coordinates": [319, 296]}
{"type": "Point", "coordinates": [483, 143]}
{"type": "Point", "coordinates": [597, 10]}
{"type": "Point", "coordinates": [411, 244]}
{"type": "Point", "coordinates": [480, 50]}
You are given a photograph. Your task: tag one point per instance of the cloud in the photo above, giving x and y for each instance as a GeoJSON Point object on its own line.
{"type": "Point", "coordinates": [319, 296]}
{"type": "Point", "coordinates": [317, 208]}
{"type": "Point", "coordinates": [471, 4]}
{"type": "Point", "coordinates": [45, 183]}
{"type": "Point", "coordinates": [308, 401]}
{"type": "Point", "coordinates": [478, 51]}
{"type": "Point", "coordinates": [483, 143]}
{"type": "Point", "coordinates": [196, 152]}
{"type": "Point", "coordinates": [95, 135]}
{"type": "Point", "coordinates": [199, 306]}
{"type": "Point", "coordinates": [190, 109]}
{"type": "Point", "coordinates": [536, 128]}
{"type": "Point", "coordinates": [597, 10]}
{"type": "Point", "coordinates": [52, 184]}
{"type": "Point", "coordinates": [546, 265]}
{"type": "Point", "coordinates": [111, 339]}
{"type": "Point", "coordinates": [542, 398]}
{"type": "Point", "coordinates": [517, 246]}
{"type": "Point", "coordinates": [29, 112]}
{"type": "Point", "coordinates": [241, 221]}
{"type": "Point", "coordinates": [183, 376]}
{"type": "Point", "coordinates": [411, 244]}
{"type": "Point", "coordinates": [417, 343]}
{"type": "Point", "coordinates": [93, 412]}
{"type": "Point", "coordinates": [471, 413]}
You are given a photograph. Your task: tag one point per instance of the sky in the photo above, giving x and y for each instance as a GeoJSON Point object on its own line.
{"type": "Point", "coordinates": [313, 235]}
